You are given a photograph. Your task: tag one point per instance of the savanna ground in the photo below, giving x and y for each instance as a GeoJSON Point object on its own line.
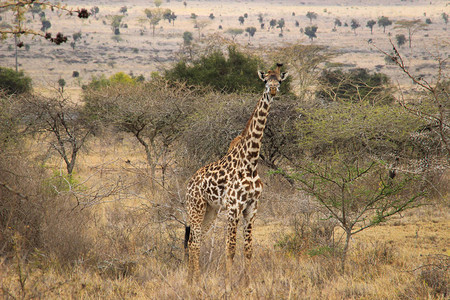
{"type": "Point", "coordinates": [126, 241]}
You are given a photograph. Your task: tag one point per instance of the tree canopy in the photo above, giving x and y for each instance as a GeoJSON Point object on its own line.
{"type": "Point", "coordinates": [228, 72]}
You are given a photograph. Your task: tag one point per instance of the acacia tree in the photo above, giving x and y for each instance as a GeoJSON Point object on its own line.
{"type": "Point", "coordinates": [311, 15]}
{"type": "Point", "coordinates": [272, 23]}
{"type": "Point", "coordinates": [401, 39]}
{"type": "Point", "coordinates": [61, 121]}
{"type": "Point", "coordinates": [437, 96]}
{"type": "Point", "coordinates": [384, 22]}
{"type": "Point", "coordinates": [370, 25]}
{"type": "Point", "coordinates": [234, 32]}
{"type": "Point", "coordinates": [411, 26]}
{"type": "Point", "coordinates": [251, 32]}
{"type": "Point", "coordinates": [280, 24]}
{"type": "Point", "coordinates": [337, 22]}
{"type": "Point", "coordinates": [358, 194]}
{"type": "Point", "coordinates": [115, 23]}
{"type": "Point", "coordinates": [310, 31]}
{"type": "Point", "coordinates": [153, 113]}
{"type": "Point", "coordinates": [350, 163]}
{"type": "Point", "coordinates": [154, 16]}
{"type": "Point", "coordinates": [354, 24]}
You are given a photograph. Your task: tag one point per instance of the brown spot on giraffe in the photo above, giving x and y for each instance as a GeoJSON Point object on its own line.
{"type": "Point", "coordinates": [236, 186]}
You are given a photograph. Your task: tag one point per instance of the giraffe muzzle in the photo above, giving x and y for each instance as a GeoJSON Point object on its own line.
{"type": "Point", "coordinates": [273, 91]}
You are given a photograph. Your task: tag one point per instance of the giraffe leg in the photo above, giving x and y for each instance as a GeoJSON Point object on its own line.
{"type": "Point", "coordinates": [196, 217]}
{"type": "Point", "coordinates": [233, 219]}
{"type": "Point", "coordinates": [249, 217]}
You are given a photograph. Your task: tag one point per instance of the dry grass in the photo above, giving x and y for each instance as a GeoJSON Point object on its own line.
{"type": "Point", "coordinates": [136, 252]}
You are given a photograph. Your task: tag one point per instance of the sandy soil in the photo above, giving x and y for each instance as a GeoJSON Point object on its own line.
{"type": "Point", "coordinates": [97, 53]}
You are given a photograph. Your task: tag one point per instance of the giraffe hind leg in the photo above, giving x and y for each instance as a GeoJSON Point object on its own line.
{"type": "Point", "coordinates": [196, 216]}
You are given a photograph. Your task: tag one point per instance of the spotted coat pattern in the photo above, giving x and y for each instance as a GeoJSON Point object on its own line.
{"type": "Point", "coordinates": [231, 183]}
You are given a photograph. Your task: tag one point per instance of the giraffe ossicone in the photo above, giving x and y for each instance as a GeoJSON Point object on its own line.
{"type": "Point", "coordinates": [231, 184]}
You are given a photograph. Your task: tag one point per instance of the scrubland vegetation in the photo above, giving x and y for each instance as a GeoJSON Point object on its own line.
{"type": "Point", "coordinates": [355, 203]}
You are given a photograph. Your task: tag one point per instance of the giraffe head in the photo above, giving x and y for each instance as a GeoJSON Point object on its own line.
{"type": "Point", "coordinates": [273, 79]}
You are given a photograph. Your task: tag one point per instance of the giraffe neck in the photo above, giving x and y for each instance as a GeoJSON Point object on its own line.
{"type": "Point", "coordinates": [251, 136]}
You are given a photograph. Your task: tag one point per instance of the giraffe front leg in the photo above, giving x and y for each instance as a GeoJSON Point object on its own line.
{"type": "Point", "coordinates": [249, 215]}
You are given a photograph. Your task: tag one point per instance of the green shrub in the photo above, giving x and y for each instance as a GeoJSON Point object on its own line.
{"type": "Point", "coordinates": [13, 82]}
{"type": "Point", "coordinates": [229, 72]}
{"type": "Point", "coordinates": [117, 78]}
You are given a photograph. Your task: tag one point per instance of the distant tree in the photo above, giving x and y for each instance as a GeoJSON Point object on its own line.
{"type": "Point", "coordinates": [75, 74]}
{"type": "Point", "coordinates": [211, 16]}
{"type": "Point", "coordinates": [370, 24]}
{"type": "Point", "coordinates": [260, 17]}
{"type": "Point", "coordinates": [273, 23]}
{"type": "Point", "coordinates": [310, 31]}
{"type": "Point", "coordinates": [115, 23]}
{"type": "Point", "coordinates": [154, 16]}
{"type": "Point", "coordinates": [46, 24]}
{"type": "Point", "coordinates": [337, 22]}
{"type": "Point", "coordinates": [200, 25]}
{"type": "Point", "coordinates": [281, 24]}
{"type": "Point", "coordinates": [311, 15]}
{"type": "Point", "coordinates": [124, 10]}
{"type": "Point", "coordinates": [157, 3]}
{"type": "Point", "coordinates": [62, 84]}
{"type": "Point", "coordinates": [76, 37]}
{"type": "Point", "coordinates": [94, 10]}
{"type": "Point", "coordinates": [169, 16]}
{"type": "Point", "coordinates": [185, 3]}
{"type": "Point", "coordinates": [411, 26]}
{"type": "Point", "coordinates": [428, 21]}
{"type": "Point", "coordinates": [251, 32]}
{"type": "Point", "coordinates": [241, 20]}
{"type": "Point", "coordinates": [234, 32]}
{"type": "Point", "coordinates": [193, 16]}
{"type": "Point", "coordinates": [173, 17]}
{"type": "Point", "coordinates": [297, 24]}
{"type": "Point", "coordinates": [246, 15]}
{"type": "Point", "coordinates": [384, 22]}
{"type": "Point", "coordinates": [445, 17]}
{"type": "Point", "coordinates": [187, 37]}
{"type": "Point", "coordinates": [354, 24]}
{"type": "Point", "coordinates": [401, 39]}
{"type": "Point", "coordinates": [13, 82]}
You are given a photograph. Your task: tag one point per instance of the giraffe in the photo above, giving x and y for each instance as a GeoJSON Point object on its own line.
{"type": "Point", "coordinates": [231, 183]}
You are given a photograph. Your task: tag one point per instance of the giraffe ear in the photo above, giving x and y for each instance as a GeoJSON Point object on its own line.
{"type": "Point", "coordinates": [283, 75]}
{"type": "Point", "coordinates": [261, 75]}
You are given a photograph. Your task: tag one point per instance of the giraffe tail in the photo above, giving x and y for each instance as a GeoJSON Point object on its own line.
{"type": "Point", "coordinates": [187, 233]}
